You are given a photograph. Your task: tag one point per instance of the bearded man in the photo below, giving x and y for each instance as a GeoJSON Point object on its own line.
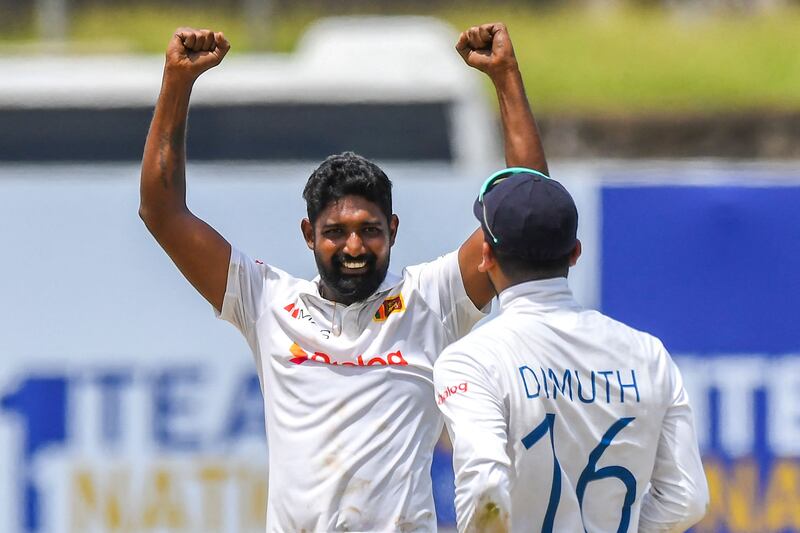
{"type": "Point", "coordinates": [345, 360]}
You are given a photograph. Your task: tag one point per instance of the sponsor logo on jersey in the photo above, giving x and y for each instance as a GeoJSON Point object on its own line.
{"type": "Point", "coordinates": [391, 305]}
{"type": "Point", "coordinates": [300, 356]}
{"type": "Point", "coordinates": [299, 313]}
{"type": "Point", "coordinates": [451, 391]}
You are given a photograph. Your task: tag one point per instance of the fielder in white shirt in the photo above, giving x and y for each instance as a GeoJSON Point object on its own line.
{"type": "Point", "coordinates": [345, 360]}
{"type": "Point", "coordinates": [562, 419]}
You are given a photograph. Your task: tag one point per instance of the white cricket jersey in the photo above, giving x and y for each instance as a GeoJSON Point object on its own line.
{"type": "Point", "coordinates": [565, 420]}
{"type": "Point", "coordinates": [351, 420]}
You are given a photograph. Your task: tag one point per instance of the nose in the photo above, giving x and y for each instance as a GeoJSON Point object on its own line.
{"type": "Point", "coordinates": [354, 246]}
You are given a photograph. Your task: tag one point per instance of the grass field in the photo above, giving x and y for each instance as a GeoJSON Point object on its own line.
{"type": "Point", "coordinates": [574, 60]}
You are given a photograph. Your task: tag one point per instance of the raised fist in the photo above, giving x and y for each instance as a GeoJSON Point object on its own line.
{"type": "Point", "coordinates": [191, 52]}
{"type": "Point", "coordinates": [487, 48]}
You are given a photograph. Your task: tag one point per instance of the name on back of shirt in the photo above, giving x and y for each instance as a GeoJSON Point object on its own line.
{"type": "Point", "coordinates": [595, 386]}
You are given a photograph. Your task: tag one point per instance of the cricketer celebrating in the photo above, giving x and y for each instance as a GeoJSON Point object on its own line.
{"type": "Point", "coordinates": [562, 419]}
{"type": "Point", "coordinates": [345, 360]}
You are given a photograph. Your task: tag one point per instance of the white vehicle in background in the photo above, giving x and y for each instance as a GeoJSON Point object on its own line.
{"type": "Point", "coordinates": [372, 97]}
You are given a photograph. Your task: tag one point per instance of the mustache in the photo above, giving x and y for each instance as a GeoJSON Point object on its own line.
{"type": "Point", "coordinates": [339, 259]}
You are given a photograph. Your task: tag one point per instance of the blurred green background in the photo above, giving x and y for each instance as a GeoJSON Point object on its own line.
{"type": "Point", "coordinates": [591, 57]}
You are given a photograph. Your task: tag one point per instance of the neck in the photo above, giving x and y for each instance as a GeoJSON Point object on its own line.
{"type": "Point", "coordinates": [334, 296]}
{"type": "Point", "coordinates": [501, 282]}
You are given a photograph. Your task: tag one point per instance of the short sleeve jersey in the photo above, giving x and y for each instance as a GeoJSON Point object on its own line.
{"type": "Point", "coordinates": [349, 409]}
{"type": "Point", "coordinates": [561, 417]}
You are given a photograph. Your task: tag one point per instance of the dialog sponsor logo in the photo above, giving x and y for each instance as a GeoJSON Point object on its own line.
{"type": "Point", "coordinates": [451, 391]}
{"type": "Point", "coordinates": [300, 356]}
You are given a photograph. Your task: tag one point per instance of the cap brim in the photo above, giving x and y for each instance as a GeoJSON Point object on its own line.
{"type": "Point", "coordinates": [477, 210]}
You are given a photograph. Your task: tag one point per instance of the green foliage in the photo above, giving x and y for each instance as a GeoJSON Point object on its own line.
{"type": "Point", "coordinates": [147, 29]}
{"type": "Point", "coordinates": [574, 59]}
{"type": "Point", "coordinates": [583, 60]}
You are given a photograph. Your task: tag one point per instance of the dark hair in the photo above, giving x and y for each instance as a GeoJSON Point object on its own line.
{"type": "Point", "coordinates": [519, 268]}
{"type": "Point", "coordinates": [345, 174]}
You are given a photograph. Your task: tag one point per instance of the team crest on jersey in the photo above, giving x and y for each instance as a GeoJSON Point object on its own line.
{"type": "Point", "coordinates": [395, 304]}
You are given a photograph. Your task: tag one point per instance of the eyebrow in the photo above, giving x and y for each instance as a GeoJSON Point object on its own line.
{"type": "Point", "coordinates": [374, 222]}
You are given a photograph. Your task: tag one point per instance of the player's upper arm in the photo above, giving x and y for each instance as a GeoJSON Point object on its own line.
{"type": "Point", "coordinates": [678, 495]}
{"type": "Point", "coordinates": [476, 283]}
{"type": "Point", "coordinates": [468, 396]}
{"type": "Point", "coordinates": [200, 253]}
{"type": "Point", "coordinates": [441, 285]}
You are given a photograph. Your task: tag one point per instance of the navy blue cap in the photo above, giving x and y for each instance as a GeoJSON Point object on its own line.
{"type": "Point", "coordinates": [525, 213]}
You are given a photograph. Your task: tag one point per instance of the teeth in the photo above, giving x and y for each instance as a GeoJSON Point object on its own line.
{"type": "Point", "coordinates": [354, 264]}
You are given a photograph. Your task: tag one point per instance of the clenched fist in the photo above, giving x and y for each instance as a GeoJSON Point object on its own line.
{"type": "Point", "coordinates": [191, 52]}
{"type": "Point", "coordinates": [487, 48]}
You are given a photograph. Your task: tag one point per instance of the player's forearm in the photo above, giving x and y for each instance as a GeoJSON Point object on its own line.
{"type": "Point", "coordinates": [523, 145]}
{"type": "Point", "coordinates": [163, 178]}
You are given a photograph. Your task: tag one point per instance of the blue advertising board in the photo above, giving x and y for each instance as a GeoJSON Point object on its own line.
{"type": "Point", "coordinates": [713, 271]}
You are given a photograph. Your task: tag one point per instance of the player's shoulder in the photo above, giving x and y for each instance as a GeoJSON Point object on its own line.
{"type": "Point", "coordinates": [432, 267]}
{"type": "Point", "coordinates": [479, 348]}
{"type": "Point", "coordinates": [636, 340]}
{"type": "Point", "coordinates": [275, 276]}
{"type": "Point", "coordinates": [641, 335]}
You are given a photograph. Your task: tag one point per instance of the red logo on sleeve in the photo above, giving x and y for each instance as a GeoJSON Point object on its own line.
{"type": "Point", "coordinates": [451, 391]}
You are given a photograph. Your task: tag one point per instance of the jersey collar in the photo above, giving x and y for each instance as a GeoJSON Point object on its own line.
{"type": "Point", "coordinates": [552, 292]}
{"type": "Point", "coordinates": [389, 283]}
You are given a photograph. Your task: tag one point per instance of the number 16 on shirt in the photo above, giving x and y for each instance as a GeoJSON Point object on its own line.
{"type": "Point", "coordinates": [590, 472]}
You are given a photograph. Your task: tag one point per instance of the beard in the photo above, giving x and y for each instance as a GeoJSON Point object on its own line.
{"type": "Point", "coordinates": [350, 288]}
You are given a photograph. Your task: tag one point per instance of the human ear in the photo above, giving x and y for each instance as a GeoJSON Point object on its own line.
{"type": "Point", "coordinates": [575, 254]}
{"type": "Point", "coordinates": [308, 232]}
{"type": "Point", "coordinates": [488, 260]}
{"type": "Point", "coordinates": [394, 223]}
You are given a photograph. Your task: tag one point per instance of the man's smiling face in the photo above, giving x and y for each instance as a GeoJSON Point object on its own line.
{"type": "Point", "coordinates": [351, 240]}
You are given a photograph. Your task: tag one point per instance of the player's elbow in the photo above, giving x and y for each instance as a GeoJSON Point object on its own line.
{"type": "Point", "coordinates": [143, 213]}
{"type": "Point", "coordinates": [149, 217]}
{"type": "Point", "coordinates": [696, 504]}
{"type": "Point", "coordinates": [697, 500]}
{"type": "Point", "coordinates": [674, 508]}
{"type": "Point", "coordinates": [691, 512]}
{"type": "Point", "coordinates": [690, 508]}
{"type": "Point", "coordinates": [157, 219]}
